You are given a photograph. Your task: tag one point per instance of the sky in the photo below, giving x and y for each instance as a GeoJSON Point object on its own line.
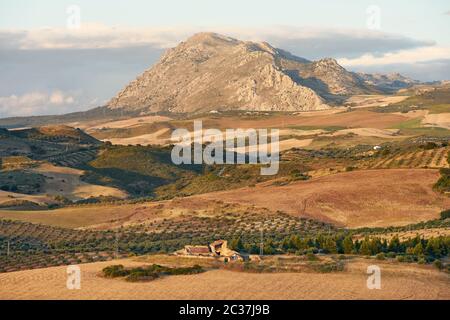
{"type": "Point", "coordinates": [64, 56]}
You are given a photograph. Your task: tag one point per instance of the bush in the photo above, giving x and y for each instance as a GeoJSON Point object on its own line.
{"type": "Point", "coordinates": [391, 255]}
{"type": "Point", "coordinates": [141, 276]}
{"type": "Point", "coordinates": [429, 146]}
{"type": "Point", "coordinates": [114, 271]}
{"type": "Point", "coordinates": [438, 264]}
{"type": "Point", "coordinates": [380, 256]}
{"type": "Point", "coordinates": [147, 273]}
{"type": "Point", "coordinates": [445, 214]}
{"type": "Point", "coordinates": [311, 257]}
{"type": "Point", "coordinates": [329, 267]}
{"type": "Point", "coordinates": [443, 184]}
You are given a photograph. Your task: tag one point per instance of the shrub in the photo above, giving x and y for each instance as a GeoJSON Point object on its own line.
{"type": "Point", "coordinates": [311, 257]}
{"type": "Point", "coordinates": [391, 254]}
{"type": "Point", "coordinates": [147, 273]}
{"type": "Point", "coordinates": [380, 256]}
{"type": "Point", "coordinates": [329, 267]}
{"type": "Point", "coordinates": [141, 275]}
{"type": "Point", "coordinates": [445, 214]}
{"type": "Point", "coordinates": [114, 271]}
{"type": "Point", "coordinates": [438, 264]}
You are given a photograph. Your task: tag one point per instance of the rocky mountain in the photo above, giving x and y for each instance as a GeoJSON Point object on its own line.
{"type": "Point", "coordinates": [329, 78]}
{"type": "Point", "coordinates": [388, 82]}
{"type": "Point", "coordinates": [213, 72]}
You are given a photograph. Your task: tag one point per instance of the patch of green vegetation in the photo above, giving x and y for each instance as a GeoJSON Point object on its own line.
{"type": "Point", "coordinates": [443, 184]}
{"type": "Point", "coordinates": [326, 128]}
{"type": "Point", "coordinates": [137, 169]}
{"type": "Point", "coordinates": [328, 267]}
{"type": "Point", "coordinates": [19, 204]}
{"type": "Point", "coordinates": [148, 273]}
{"type": "Point", "coordinates": [413, 127]}
{"type": "Point", "coordinates": [433, 99]}
{"type": "Point", "coordinates": [440, 108]}
{"type": "Point", "coordinates": [402, 108]}
{"type": "Point", "coordinates": [138, 130]}
{"type": "Point", "coordinates": [409, 124]}
{"type": "Point", "coordinates": [21, 181]}
{"type": "Point", "coordinates": [445, 214]}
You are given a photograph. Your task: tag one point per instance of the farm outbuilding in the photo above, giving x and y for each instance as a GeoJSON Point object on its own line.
{"type": "Point", "coordinates": [218, 249]}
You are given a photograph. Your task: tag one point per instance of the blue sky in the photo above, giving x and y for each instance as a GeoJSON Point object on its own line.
{"type": "Point", "coordinates": [46, 68]}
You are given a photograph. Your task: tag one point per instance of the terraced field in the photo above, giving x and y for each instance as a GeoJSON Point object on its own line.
{"type": "Point", "coordinates": [435, 158]}
{"type": "Point", "coordinates": [74, 159]}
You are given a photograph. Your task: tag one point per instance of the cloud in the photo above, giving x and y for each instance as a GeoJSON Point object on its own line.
{"type": "Point", "coordinates": [36, 103]}
{"type": "Point", "coordinates": [306, 42]}
{"type": "Point", "coordinates": [316, 43]}
{"type": "Point", "coordinates": [91, 36]}
{"type": "Point", "coordinates": [403, 56]}
{"type": "Point", "coordinates": [93, 63]}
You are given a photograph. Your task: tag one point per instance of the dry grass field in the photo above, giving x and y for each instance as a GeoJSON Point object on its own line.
{"type": "Point", "coordinates": [66, 181]}
{"type": "Point", "coordinates": [367, 198]}
{"type": "Point", "coordinates": [71, 217]}
{"type": "Point", "coordinates": [405, 281]}
{"type": "Point", "coordinates": [312, 121]}
{"type": "Point", "coordinates": [372, 198]}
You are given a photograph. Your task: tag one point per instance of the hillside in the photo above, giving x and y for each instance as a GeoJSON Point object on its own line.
{"type": "Point", "coordinates": [46, 142]}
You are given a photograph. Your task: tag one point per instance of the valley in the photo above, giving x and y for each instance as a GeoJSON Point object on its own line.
{"type": "Point", "coordinates": [364, 178]}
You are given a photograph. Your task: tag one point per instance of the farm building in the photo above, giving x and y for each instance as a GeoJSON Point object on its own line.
{"type": "Point", "coordinates": [218, 249]}
{"type": "Point", "coordinates": [197, 250]}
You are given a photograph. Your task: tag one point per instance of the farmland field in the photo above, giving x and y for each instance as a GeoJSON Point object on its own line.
{"type": "Point", "coordinates": [398, 282]}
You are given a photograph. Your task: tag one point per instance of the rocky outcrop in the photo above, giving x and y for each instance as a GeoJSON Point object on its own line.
{"type": "Point", "coordinates": [388, 82]}
{"type": "Point", "coordinates": [213, 72]}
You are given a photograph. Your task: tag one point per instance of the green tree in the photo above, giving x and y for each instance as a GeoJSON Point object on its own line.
{"type": "Point", "coordinates": [236, 244]}
{"type": "Point", "coordinates": [365, 247]}
{"type": "Point", "coordinates": [394, 244]}
{"type": "Point", "coordinates": [348, 245]}
{"type": "Point", "coordinates": [418, 249]}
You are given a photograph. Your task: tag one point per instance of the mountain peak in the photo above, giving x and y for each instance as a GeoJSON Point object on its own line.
{"type": "Point", "coordinates": [210, 71]}
{"type": "Point", "coordinates": [210, 37]}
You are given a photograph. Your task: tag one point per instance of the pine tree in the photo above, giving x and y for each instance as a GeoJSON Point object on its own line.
{"type": "Point", "coordinates": [418, 249]}
{"type": "Point", "coordinates": [348, 245]}
{"type": "Point", "coordinates": [365, 247]}
{"type": "Point", "coordinates": [394, 244]}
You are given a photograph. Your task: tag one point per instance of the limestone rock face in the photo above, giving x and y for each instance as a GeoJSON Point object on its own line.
{"type": "Point", "coordinates": [214, 72]}
{"type": "Point", "coordinates": [328, 77]}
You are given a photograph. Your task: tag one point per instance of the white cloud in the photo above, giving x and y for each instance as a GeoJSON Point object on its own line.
{"type": "Point", "coordinates": [34, 103]}
{"type": "Point", "coordinates": [301, 40]}
{"type": "Point", "coordinates": [92, 36]}
{"type": "Point", "coordinates": [403, 56]}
